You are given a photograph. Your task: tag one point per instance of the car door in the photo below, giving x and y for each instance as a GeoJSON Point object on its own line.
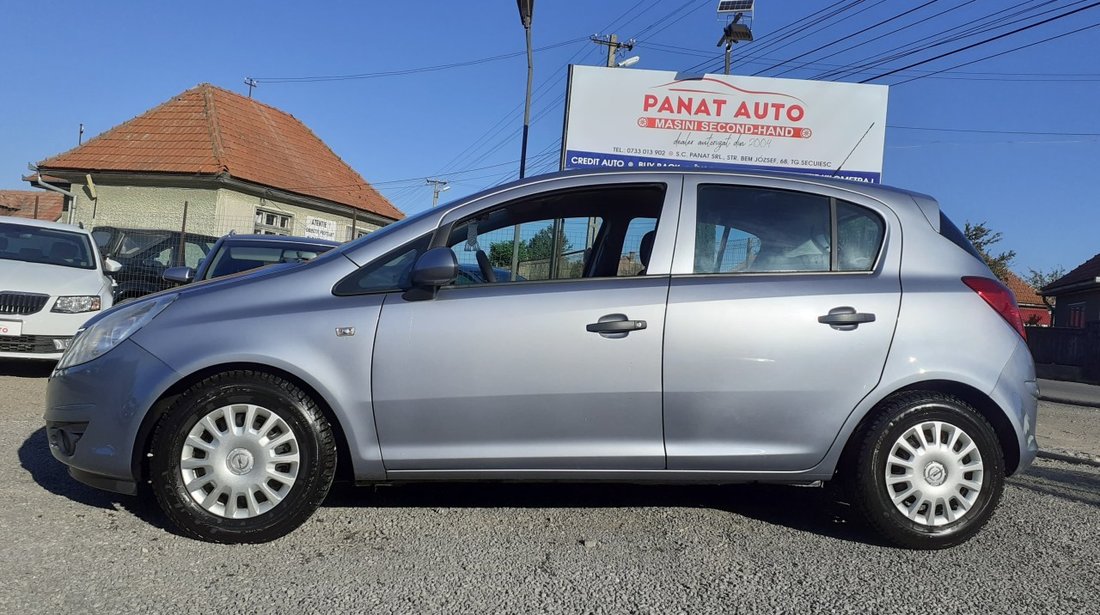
{"type": "Point", "coordinates": [555, 365]}
{"type": "Point", "coordinates": [781, 310]}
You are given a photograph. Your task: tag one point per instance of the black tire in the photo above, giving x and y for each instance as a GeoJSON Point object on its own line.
{"type": "Point", "coordinates": [864, 471]}
{"type": "Point", "coordinates": [315, 447]}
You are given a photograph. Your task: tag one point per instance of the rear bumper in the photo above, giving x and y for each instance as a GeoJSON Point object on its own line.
{"type": "Point", "coordinates": [94, 412]}
{"type": "Point", "coordinates": [1018, 394]}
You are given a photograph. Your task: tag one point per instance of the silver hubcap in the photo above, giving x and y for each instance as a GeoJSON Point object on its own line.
{"type": "Point", "coordinates": [239, 461]}
{"type": "Point", "coordinates": [934, 473]}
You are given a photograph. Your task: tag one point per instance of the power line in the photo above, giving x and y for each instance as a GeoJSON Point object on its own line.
{"type": "Point", "coordinates": [985, 41]}
{"type": "Point", "coordinates": [409, 71]}
{"type": "Point", "coordinates": [764, 40]}
{"type": "Point", "coordinates": [930, 74]}
{"type": "Point", "coordinates": [997, 132]}
{"type": "Point", "coordinates": [804, 31]}
{"type": "Point", "coordinates": [1001, 53]}
{"type": "Point", "coordinates": [985, 23]}
{"type": "Point", "coordinates": [883, 22]}
{"type": "Point", "coordinates": [854, 34]}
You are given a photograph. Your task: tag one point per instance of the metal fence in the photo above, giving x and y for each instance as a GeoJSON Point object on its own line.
{"type": "Point", "coordinates": [1070, 352]}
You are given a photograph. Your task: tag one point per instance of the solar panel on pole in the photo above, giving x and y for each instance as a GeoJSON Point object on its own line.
{"type": "Point", "coordinates": [735, 6]}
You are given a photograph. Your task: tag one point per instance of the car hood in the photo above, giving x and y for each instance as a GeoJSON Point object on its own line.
{"type": "Point", "coordinates": [22, 276]}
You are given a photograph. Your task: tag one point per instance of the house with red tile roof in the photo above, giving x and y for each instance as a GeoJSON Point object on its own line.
{"type": "Point", "coordinates": [1077, 295]}
{"type": "Point", "coordinates": [1032, 308]}
{"type": "Point", "coordinates": [211, 161]}
{"type": "Point", "coordinates": [32, 204]}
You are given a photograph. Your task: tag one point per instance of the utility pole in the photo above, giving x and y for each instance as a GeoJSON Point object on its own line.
{"type": "Point", "coordinates": [613, 46]}
{"type": "Point", "coordinates": [438, 185]}
{"type": "Point", "coordinates": [251, 83]}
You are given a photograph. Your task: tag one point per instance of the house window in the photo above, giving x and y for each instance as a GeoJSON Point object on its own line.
{"type": "Point", "coordinates": [273, 223]}
{"type": "Point", "coordinates": [1076, 315]}
{"type": "Point", "coordinates": [357, 232]}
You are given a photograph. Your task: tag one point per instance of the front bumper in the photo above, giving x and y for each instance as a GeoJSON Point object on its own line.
{"type": "Point", "coordinates": [38, 333]}
{"type": "Point", "coordinates": [94, 413]}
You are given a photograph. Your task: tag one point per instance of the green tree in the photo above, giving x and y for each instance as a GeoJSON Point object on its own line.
{"type": "Point", "coordinates": [538, 247]}
{"type": "Point", "coordinates": [500, 254]}
{"type": "Point", "coordinates": [1039, 278]}
{"type": "Point", "coordinates": [984, 239]}
{"type": "Point", "coordinates": [541, 245]}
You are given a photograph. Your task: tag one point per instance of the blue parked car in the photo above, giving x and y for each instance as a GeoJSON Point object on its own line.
{"type": "Point", "coordinates": [236, 253]}
{"type": "Point", "coordinates": [669, 326]}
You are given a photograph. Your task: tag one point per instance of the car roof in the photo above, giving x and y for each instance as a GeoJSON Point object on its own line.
{"type": "Point", "coordinates": [845, 184]}
{"type": "Point", "coordinates": [897, 197]}
{"type": "Point", "coordinates": [57, 226]}
{"type": "Point", "coordinates": [289, 240]}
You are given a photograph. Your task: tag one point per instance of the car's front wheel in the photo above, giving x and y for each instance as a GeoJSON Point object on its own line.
{"type": "Point", "coordinates": [242, 456]}
{"type": "Point", "coordinates": [927, 472]}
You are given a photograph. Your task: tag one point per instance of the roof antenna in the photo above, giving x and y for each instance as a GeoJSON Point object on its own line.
{"type": "Point", "coordinates": [856, 146]}
{"type": "Point", "coordinates": [251, 83]}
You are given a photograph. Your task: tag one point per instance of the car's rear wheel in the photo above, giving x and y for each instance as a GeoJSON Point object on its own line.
{"type": "Point", "coordinates": [242, 456]}
{"type": "Point", "coordinates": [927, 472]}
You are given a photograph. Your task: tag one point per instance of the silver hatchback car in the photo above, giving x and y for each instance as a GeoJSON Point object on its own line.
{"type": "Point", "coordinates": [626, 326]}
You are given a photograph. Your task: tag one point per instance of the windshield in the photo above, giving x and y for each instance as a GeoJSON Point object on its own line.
{"type": "Point", "coordinates": [48, 246]}
{"type": "Point", "coordinates": [234, 259]}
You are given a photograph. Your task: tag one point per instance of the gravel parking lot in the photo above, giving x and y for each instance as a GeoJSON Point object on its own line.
{"type": "Point", "coordinates": [541, 548]}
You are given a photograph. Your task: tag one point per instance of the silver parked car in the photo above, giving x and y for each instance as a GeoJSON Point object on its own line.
{"type": "Point", "coordinates": [626, 326]}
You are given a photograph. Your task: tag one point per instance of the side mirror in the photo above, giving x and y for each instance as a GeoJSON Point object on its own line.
{"type": "Point", "coordinates": [183, 275]}
{"type": "Point", "coordinates": [110, 265]}
{"type": "Point", "coordinates": [436, 267]}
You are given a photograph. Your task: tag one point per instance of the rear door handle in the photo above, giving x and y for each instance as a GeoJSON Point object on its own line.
{"type": "Point", "coordinates": [845, 318]}
{"type": "Point", "coordinates": [615, 325]}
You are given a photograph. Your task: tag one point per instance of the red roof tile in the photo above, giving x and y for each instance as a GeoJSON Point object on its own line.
{"type": "Point", "coordinates": [1025, 293]}
{"type": "Point", "coordinates": [1087, 271]}
{"type": "Point", "coordinates": [20, 203]}
{"type": "Point", "coordinates": [208, 131]}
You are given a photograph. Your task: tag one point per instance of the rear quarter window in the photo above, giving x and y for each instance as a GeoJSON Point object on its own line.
{"type": "Point", "coordinates": [952, 232]}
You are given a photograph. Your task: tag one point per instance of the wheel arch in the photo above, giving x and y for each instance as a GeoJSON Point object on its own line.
{"type": "Point", "coordinates": [983, 403]}
{"type": "Point", "coordinates": [140, 461]}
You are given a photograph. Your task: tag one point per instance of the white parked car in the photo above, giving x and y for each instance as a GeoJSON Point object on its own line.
{"type": "Point", "coordinates": [52, 279]}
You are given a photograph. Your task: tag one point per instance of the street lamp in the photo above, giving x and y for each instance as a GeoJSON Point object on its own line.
{"type": "Point", "coordinates": [735, 31]}
{"type": "Point", "coordinates": [526, 12]}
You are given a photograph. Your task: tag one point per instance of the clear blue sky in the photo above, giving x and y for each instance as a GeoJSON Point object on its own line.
{"type": "Point", "coordinates": [103, 62]}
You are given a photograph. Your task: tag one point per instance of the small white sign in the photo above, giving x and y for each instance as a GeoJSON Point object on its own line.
{"type": "Point", "coordinates": [319, 228]}
{"type": "Point", "coordinates": [11, 327]}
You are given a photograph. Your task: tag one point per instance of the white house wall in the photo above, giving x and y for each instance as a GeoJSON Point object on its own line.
{"type": "Point", "coordinates": [210, 211]}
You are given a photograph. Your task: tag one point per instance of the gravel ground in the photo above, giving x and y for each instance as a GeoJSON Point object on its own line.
{"type": "Point", "coordinates": [1074, 430]}
{"type": "Point", "coordinates": [544, 548]}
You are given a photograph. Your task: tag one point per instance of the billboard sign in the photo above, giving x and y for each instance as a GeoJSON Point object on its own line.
{"type": "Point", "coordinates": [620, 118]}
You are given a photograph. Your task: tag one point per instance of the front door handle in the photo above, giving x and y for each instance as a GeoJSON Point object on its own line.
{"type": "Point", "coordinates": [845, 318]}
{"type": "Point", "coordinates": [615, 326]}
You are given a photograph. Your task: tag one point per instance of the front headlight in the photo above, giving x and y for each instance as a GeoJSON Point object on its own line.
{"type": "Point", "coordinates": [75, 304]}
{"type": "Point", "coordinates": [112, 329]}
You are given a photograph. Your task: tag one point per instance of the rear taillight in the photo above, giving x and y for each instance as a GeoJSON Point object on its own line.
{"type": "Point", "coordinates": [1000, 299]}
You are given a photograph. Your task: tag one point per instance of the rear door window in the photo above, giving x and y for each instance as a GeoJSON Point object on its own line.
{"type": "Point", "coordinates": [745, 229]}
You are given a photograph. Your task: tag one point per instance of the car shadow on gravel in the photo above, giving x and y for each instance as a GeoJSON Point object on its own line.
{"type": "Point", "coordinates": [26, 369]}
{"type": "Point", "coordinates": [816, 510]}
{"type": "Point", "coordinates": [1062, 481]}
{"type": "Point", "coordinates": [53, 476]}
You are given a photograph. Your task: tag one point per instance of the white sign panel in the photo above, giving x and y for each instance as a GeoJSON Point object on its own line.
{"type": "Point", "coordinates": [319, 228]}
{"type": "Point", "coordinates": [625, 118]}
